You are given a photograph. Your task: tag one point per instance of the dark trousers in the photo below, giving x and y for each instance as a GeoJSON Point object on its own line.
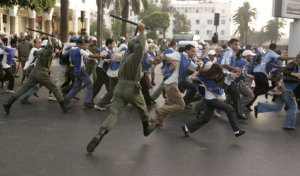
{"type": "Point", "coordinates": [9, 76]}
{"type": "Point", "coordinates": [145, 89]}
{"type": "Point", "coordinates": [233, 95]}
{"type": "Point", "coordinates": [70, 78]}
{"type": "Point", "coordinates": [261, 85]}
{"type": "Point", "coordinates": [102, 78]}
{"type": "Point", "coordinates": [197, 123]}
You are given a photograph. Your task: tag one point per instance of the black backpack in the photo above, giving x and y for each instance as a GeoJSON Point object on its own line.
{"type": "Point", "coordinates": [288, 77]}
{"type": "Point", "coordinates": [64, 59]}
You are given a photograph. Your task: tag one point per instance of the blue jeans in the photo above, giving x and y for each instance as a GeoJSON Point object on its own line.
{"type": "Point", "coordinates": [81, 77]}
{"type": "Point", "coordinates": [30, 92]}
{"type": "Point", "coordinates": [285, 98]}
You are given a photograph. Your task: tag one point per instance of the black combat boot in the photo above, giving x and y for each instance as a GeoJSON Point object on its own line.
{"type": "Point", "coordinates": [8, 105]}
{"type": "Point", "coordinates": [148, 127]}
{"type": "Point", "coordinates": [64, 106]}
{"type": "Point", "coordinates": [96, 140]}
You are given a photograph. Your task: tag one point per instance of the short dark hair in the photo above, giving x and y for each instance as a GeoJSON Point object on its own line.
{"type": "Point", "coordinates": [172, 43]}
{"type": "Point", "coordinates": [188, 47]}
{"type": "Point", "coordinates": [13, 42]}
{"type": "Point", "coordinates": [231, 41]}
{"type": "Point", "coordinates": [35, 40]}
{"type": "Point", "coordinates": [81, 41]}
{"type": "Point", "coordinates": [272, 46]}
{"type": "Point", "coordinates": [109, 41]}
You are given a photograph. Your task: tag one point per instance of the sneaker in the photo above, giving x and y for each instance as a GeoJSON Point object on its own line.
{"type": "Point", "coordinates": [88, 105]}
{"type": "Point", "coordinates": [289, 128]}
{"type": "Point", "coordinates": [185, 130]}
{"type": "Point", "coordinates": [99, 108]}
{"type": "Point", "coordinates": [9, 91]}
{"type": "Point", "coordinates": [52, 98]}
{"type": "Point", "coordinates": [239, 133]}
{"type": "Point", "coordinates": [157, 121]}
{"type": "Point", "coordinates": [249, 108]}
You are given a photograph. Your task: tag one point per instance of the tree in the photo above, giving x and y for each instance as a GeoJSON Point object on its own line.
{"type": "Point", "coordinates": [273, 30]}
{"type": "Point", "coordinates": [135, 5]}
{"type": "Point", "coordinates": [101, 4]}
{"type": "Point", "coordinates": [242, 18]}
{"type": "Point", "coordinates": [166, 7]}
{"type": "Point", "coordinates": [181, 24]}
{"type": "Point", "coordinates": [257, 37]}
{"type": "Point", "coordinates": [106, 33]}
{"type": "Point", "coordinates": [64, 18]}
{"type": "Point", "coordinates": [157, 21]}
{"type": "Point", "coordinates": [116, 24]}
{"type": "Point", "coordinates": [37, 5]}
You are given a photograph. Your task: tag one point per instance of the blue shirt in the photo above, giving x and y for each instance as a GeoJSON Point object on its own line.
{"type": "Point", "coordinates": [265, 64]}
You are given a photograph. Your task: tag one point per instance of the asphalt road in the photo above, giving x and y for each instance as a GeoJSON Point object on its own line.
{"type": "Point", "coordinates": [39, 139]}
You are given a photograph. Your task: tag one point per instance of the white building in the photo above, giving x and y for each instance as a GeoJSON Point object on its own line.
{"type": "Point", "coordinates": [201, 15]}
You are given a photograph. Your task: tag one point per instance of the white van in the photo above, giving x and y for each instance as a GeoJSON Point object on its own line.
{"type": "Point", "coordinates": [184, 43]}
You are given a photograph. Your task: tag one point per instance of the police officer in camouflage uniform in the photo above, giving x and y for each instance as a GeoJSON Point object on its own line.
{"type": "Point", "coordinates": [40, 74]}
{"type": "Point", "coordinates": [128, 90]}
{"type": "Point", "coordinates": [23, 51]}
{"type": "Point", "coordinates": [90, 64]}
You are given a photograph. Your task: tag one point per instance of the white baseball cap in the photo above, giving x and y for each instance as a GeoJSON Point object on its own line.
{"type": "Point", "coordinates": [211, 52]}
{"type": "Point", "coordinates": [2, 33]}
{"type": "Point", "coordinates": [248, 53]}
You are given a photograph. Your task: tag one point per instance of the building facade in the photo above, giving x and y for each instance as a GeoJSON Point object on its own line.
{"type": "Point", "coordinates": [201, 15]}
{"type": "Point", "coordinates": [15, 20]}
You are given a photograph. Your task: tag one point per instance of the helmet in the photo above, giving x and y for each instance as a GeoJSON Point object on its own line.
{"type": "Point", "coordinates": [131, 43]}
{"type": "Point", "coordinates": [74, 38]}
{"type": "Point", "coordinates": [149, 41]}
{"type": "Point", "coordinates": [23, 34]}
{"type": "Point", "coordinates": [122, 39]}
{"type": "Point", "coordinates": [93, 38]}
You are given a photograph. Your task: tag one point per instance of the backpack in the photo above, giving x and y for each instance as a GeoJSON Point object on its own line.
{"type": "Point", "coordinates": [64, 58]}
{"type": "Point", "coordinates": [289, 78]}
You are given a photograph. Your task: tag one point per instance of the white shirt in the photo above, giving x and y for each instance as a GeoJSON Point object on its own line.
{"type": "Point", "coordinates": [84, 54]}
{"type": "Point", "coordinates": [67, 47]}
{"type": "Point", "coordinates": [4, 60]}
{"type": "Point", "coordinates": [30, 57]}
{"type": "Point", "coordinates": [175, 56]}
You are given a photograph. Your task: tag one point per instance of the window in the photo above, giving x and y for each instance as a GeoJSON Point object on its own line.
{"type": "Point", "coordinates": [197, 10]}
{"type": "Point", "coordinates": [222, 21]}
{"type": "Point", "coordinates": [209, 32]}
{"type": "Point", "coordinates": [197, 32]}
{"type": "Point", "coordinates": [209, 21]}
{"type": "Point", "coordinates": [223, 10]}
{"type": "Point", "coordinates": [222, 32]}
{"type": "Point", "coordinates": [197, 21]}
{"type": "Point", "coordinates": [156, 1]}
{"type": "Point", "coordinates": [186, 10]}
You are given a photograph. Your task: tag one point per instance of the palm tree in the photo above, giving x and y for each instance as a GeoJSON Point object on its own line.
{"type": "Point", "coordinates": [64, 20]}
{"type": "Point", "coordinates": [135, 5]}
{"type": "Point", "coordinates": [273, 29]}
{"type": "Point", "coordinates": [242, 17]}
{"type": "Point", "coordinates": [101, 4]}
